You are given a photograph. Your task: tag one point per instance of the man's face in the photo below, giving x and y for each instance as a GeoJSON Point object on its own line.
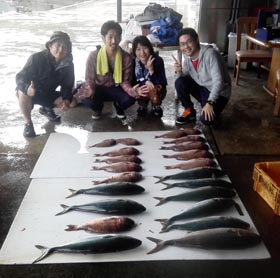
{"type": "Point", "coordinates": [111, 40]}
{"type": "Point", "coordinates": [58, 50]}
{"type": "Point", "coordinates": [188, 45]}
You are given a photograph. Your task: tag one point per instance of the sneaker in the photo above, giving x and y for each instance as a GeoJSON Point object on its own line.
{"type": "Point", "coordinates": [49, 113]}
{"type": "Point", "coordinates": [142, 111]}
{"type": "Point", "coordinates": [96, 114]}
{"type": "Point", "coordinates": [157, 111]}
{"type": "Point", "coordinates": [28, 130]}
{"type": "Point", "coordinates": [187, 116]}
{"type": "Point", "coordinates": [119, 111]}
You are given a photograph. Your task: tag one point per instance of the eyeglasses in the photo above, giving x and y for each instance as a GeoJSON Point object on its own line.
{"type": "Point", "coordinates": [189, 42]}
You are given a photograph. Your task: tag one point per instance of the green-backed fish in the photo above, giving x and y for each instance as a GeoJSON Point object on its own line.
{"type": "Point", "coordinates": [118, 188]}
{"type": "Point", "coordinates": [98, 244]}
{"type": "Point", "coordinates": [203, 208]}
{"type": "Point", "coordinates": [109, 206]}
{"type": "Point", "coordinates": [194, 183]}
{"type": "Point", "coordinates": [220, 238]}
{"type": "Point", "coordinates": [197, 173]}
{"type": "Point", "coordinates": [209, 222]}
{"type": "Point", "coordinates": [199, 194]}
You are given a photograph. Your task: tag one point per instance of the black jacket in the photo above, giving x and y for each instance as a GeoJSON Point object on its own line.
{"type": "Point", "coordinates": [46, 75]}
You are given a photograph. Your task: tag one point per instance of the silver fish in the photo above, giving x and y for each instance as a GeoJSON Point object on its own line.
{"type": "Point", "coordinates": [202, 208]}
{"type": "Point", "coordinates": [105, 225]}
{"type": "Point", "coordinates": [118, 188]}
{"type": "Point", "coordinates": [209, 222]}
{"type": "Point", "coordinates": [202, 172]}
{"type": "Point", "coordinates": [195, 183]}
{"type": "Point", "coordinates": [114, 206]}
{"type": "Point", "coordinates": [199, 194]}
{"type": "Point", "coordinates": [98, 244]}
{"type": "Point", "coordinates": [220, 238]}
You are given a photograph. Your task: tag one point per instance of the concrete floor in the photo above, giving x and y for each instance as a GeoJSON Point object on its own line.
{"type": "Point", "coordinates": [19, 155]}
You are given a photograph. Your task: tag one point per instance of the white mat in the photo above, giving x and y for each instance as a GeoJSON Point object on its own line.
{"type": "Point", "coordinates": [36, 223]}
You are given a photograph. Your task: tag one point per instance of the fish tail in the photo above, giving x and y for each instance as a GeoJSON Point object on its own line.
{"type": "Point", "coordinates": [73, 193]}
{"type": "Point", "coordinates": [237, 206]}
{"type": "Point", "coordinates": [159, 245]}
{"type": "Point", "coordinates": [168, 185]}
{"type": "Point", "coordinates": [65, 209]}
{"type": "Point", "coordinates": [97, 160]}
{"type": "Point", "coordinates": [165, 156]}
{"type": "Point", "coordinates": [71, 228]}
{"type": "Point", "coordinates": [161, 200]}
{"type": "Point", "coordinates": [46, 251]}
{"type": "Point", "coordinates": [163, 222]}
{"type": "Point", "coordinates": [94, 168]}
{"type": "Point", "coordinates": [160, 179]}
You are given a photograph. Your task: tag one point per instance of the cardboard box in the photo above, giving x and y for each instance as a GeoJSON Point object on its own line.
{"type": "Point", "coordinates": [266, 178]}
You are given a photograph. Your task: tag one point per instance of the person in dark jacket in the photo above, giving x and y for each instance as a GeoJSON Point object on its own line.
{"type": "Point", "coordinates": [39, 79]}
{"type": "Point", "coordinates": [149, 77]}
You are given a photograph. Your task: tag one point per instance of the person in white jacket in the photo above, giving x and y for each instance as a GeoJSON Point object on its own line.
{"type": "Point", "coordinates": [202, 75]}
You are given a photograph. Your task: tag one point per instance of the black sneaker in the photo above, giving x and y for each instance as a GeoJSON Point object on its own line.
{"type": "Point", "coordinates": [142, 111]}
{"type": "Point", "coordinates": [119, 111]}
{"type": "Point", "coordinates": [49, 113]}
{"type": "Point", "coordinates": [157, 111]}
{"type": "Point", "coordinates": [28, 130]}
{"type": "Point", "coordinates": [187, 116]}
{"type": "Point", "coordinates": [96, 115]}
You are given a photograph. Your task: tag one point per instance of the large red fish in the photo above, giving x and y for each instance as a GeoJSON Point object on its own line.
{"type": "Point", "coordinates": [125, 177]}
{"type": "Point", "coordinates": [190, 154]}
{"type": "Point", "coordinates": [193, 163]}
{"type": "Point", "coordinates": [186, 146]}
{"type": "Point", "coordinates": [120, 167]}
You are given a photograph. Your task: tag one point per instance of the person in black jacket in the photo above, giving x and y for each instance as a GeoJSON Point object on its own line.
{"type": "Point", "coordinates": [39, 79]}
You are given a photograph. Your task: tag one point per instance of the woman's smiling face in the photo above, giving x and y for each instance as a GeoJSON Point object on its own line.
{"type": "Point", "coordinates": [142, 53]}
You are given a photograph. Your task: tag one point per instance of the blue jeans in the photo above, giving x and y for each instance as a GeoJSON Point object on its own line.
{"type": "Point", "coordinates": [187, 87]}
{"type": "Point", "coordinates": [115, 94]}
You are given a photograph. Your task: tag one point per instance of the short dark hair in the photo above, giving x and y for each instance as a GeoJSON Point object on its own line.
{"type": "Point", "coordinates": [144, 41]}
{"type": "Point", "coordinates": [187, 31]}
{"type": "Point", "coordinates": [111, 25]}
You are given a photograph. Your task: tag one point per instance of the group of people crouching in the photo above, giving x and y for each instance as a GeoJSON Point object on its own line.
{"type": "Point", "coordinates": [112, 74]}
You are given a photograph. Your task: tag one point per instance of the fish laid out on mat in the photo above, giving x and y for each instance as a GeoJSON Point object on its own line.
{"type": "Point", "coordinates": [203, 208]}
{"type": "Point", "coordinates": [105, 225]}
{"type": "Point", "coordinates": [121, 158]}
{"type": "Point", "coordinates": [179, 133]}
{"type": "Point", "coordinates": [123, 177]}
{"type": "Point", "coordinates": [193, 163]}
{"type": "Point", "coordinates": [220, 238]}
{"type": "Point", "coordinates": [195, 183]}
{"type": "Point", "coordinates": [128, 141]}
{"type": "Point", "coordinates": [105, 143]}
{"type": "Point", "coordinates": [189, 154]}
{"type": "Point", "coordinates": [98, 244]}
{"type": "Point", "coordinates": [112, 142]}
{"type": "Point", "coordinates": [185, 146]}
{"type": "Point", "coordinates": [117, 188]}
{"type": "Point", "coordinates": [122, 151]}
{"type": "Point", "coordinates": [187, 138]}
{"type": "Point", "coordinates": [114, 206]}
{"type": "Point", "coordinates": [199, 194]}
{"type": "Point", "coordinates": [120, 167]}
{"type": "Point", "coordinates": [209, 222]}
{"type": "Point", "coordinates": [197, 173]}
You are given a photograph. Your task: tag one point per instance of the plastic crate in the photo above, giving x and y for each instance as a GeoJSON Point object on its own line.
{"type": "Point", "coordinates": [266, 177]}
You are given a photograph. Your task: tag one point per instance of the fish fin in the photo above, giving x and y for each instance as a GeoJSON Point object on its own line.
{"type": "Point", "coordinates": [65, 209]}
{"type": "Point", "coordinates": [159, 245]}
{"type": "Point", "coordinates": [73, 193]}
{"type": "Point", "coordinates": [161, 200]}
{"type": "Point", "coordinates": [238, 209]}
{"type": "Point", "coordinates": [71, 228]}
{"type": "Point", "coordinates": [46, 252]}
{"type": "Point", "coordinates": [163, 222]}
